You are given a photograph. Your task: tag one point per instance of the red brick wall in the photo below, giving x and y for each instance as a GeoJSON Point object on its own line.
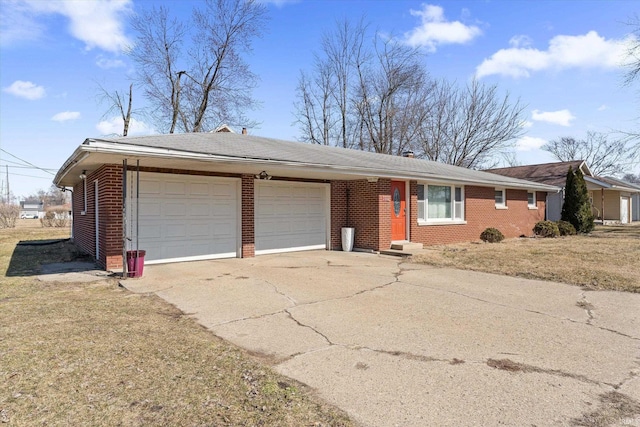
{"type": "Point", "coordinates": [109, 217]}
{"type": "Point", "coordinates": [365, 206]}
{"type": "Point", "coordinates": [248, 231]}
{"type": "Point", "coordinates": [480, 213]}
{"type": "Point", "coordinates": [338, 213]}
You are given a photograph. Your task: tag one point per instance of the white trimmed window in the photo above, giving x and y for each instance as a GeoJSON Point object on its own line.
{"type": "Point", "coordinates": [531, 199]}
{"type": "Point", "coordinates": [501, 198]}
{"type": "Point", "coordinates": [440, 203]}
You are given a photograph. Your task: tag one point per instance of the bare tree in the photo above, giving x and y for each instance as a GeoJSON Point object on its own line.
{"type": "Point", "coordinates": [196, 89]}
{"type": "Point", "coordinates": [604, 154]}
{"type": "Point", "coordinates": [119, 103]}
{"type": "Point", "coordinates": [374, 93]}
{"type": "Point", "coordinates": [470, 126]}
{"type": "Point", "coordinates": [634, 179]}
{"type": "Point", "coordinates": [632, 62]}
{"type": "Point", "coordinates": [393, 97]}
{"type": "Point", "coordinates": [363, 92]}
{"type": "Point", "coordinates": [324, 105]}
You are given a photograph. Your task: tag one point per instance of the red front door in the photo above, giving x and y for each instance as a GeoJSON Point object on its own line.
{"type": "Point", "coordinates": [398, 211]}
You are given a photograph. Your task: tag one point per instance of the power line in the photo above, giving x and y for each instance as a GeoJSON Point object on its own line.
{"type": "Point", "coordinates": [30, 176]}
{"type": "Point", "coordinates": [24, 167]}
{"type": "Point", "coordinates": [24, 161]}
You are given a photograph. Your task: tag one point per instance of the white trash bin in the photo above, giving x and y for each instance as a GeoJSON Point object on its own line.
{"type": "Point", "coordinates": [348, 234]}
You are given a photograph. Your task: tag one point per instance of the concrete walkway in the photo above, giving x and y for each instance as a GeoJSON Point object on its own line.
{"type": "Point", "coordinates": [401, 344]}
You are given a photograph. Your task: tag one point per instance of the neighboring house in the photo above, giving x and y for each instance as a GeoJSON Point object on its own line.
{"type": "Point", "coordinates": [30, 209]}
{"type": "Point", "coordinates": [618, 197]}
{"type": "Point", "coordinates": [212, 195]}
{"type": "Point", "coordinates": [611, 199]}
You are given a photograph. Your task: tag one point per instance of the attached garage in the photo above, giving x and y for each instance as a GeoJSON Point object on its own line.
{"type": "Point", "coordinates": [291, 216]}
{"type": "Point", "coordinates": [184, 217]}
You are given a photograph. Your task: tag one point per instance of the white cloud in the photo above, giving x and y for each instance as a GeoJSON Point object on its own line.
{"type": "Point", "coordinates": [583, 51]}
{"type": "Point", "coordinates": [107, 63]}
{"type": "Point", "coordinates": [520, 41]}
{"type": "Point", "coordinates": [26, 90]}
{"type": "Point", "coordinates": [526, 124]}
{"type": "Point", "coordinates": [603, 107]}
{"type": "Point", "coordinates": [66, 116]}
{"type": "Point", "coordinates": [528, 143]}
{"type": "Point", "coordinates": [560, 117]}
{"type": "Point", "coordinates": [115, 126]}
{"type": "Point", "coordinates": [97, 23]}
{"type": "Point", "coordinates": [436, 30]}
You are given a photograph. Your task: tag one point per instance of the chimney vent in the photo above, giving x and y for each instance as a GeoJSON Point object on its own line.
{"type": "Point", "coordinates": [408, 154]}
{"type": "Point", "coordinates": [244, 131]}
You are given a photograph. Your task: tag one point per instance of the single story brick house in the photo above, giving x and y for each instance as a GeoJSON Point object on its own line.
{"type": "Point", "coordinates": [612, 200]}
{"type": "Point", "coordinates": [198, 196]}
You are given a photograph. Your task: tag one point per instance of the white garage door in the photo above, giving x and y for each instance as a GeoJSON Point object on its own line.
{"type": "Point", "coordinates": [185, 217]}
{"type": "Point", "coordinates": [290, 216]}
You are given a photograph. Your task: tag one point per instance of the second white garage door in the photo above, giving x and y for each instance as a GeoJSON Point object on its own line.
{"type": "Point", "coordinates": [290, 216]}
{"type": "Point", "coordinates": [184, 217]}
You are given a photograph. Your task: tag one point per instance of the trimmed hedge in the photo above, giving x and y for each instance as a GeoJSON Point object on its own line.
{"type": "Point", "coordinates": [566, 228]}
{"type": "Point", "coordinates": [546, 229]}
{"type": "Point", "coordinates": [492, 235]}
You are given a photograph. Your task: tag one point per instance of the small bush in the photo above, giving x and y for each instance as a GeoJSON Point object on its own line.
{"type": "Point", "coordinates": [566, 228]}
{"type": "Point", "coordinates": [55, 218]}
{"type": "Point", "coordinates": [492, 235]}
{"type": "Point", "coordinates": [8, 215]}
{"type": "Point", "coordinates": [546, 229]}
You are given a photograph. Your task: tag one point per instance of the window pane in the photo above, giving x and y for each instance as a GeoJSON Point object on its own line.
{"type": "Point", "coordinates": [531, 199]}
{"type": "Point", "coordinates": [499, 199]}
{"type": "Point", "coordinates": [457, 207]}
{"type": "Point", "coordinates": [439, 202]}
{"type": "Point", "coordinates": [458, 194]}
{"type": "Point", "coordinates": [420, 192]}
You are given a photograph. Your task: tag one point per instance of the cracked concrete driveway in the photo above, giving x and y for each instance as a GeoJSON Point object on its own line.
{"type": "Point", "coordinates": [400, 344]}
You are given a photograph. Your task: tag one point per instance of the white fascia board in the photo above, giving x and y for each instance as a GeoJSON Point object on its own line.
{"type": "Point", "coordinates": [597, 182]}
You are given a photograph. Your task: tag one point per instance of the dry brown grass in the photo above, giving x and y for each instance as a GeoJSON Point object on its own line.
{"type": "Point", "coordinates": [96, 354]}
{"type": "Point", "coordinates": [608, 259]}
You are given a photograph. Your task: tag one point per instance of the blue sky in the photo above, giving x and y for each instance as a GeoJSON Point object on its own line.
{"type": "Point", "coordinates": [561, 58]}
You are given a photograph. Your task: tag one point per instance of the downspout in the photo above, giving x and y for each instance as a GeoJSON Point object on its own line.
{"type": "Point", "coordinates": [124, 219]}
{"type": "Point", "coordinates": [602, 191]}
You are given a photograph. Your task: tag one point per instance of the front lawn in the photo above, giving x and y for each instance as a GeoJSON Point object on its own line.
{"type": "Point", "coordinates": [85, 354]}
{"type": "Point", "coordinates": [607, 259]}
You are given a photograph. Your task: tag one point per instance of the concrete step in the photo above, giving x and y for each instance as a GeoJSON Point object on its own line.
{"type": "Point", "coordinates": [406, 246]}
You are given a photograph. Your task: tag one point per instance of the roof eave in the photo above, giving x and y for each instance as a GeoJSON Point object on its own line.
{"type": "Point", "coordinates": [136, 151]}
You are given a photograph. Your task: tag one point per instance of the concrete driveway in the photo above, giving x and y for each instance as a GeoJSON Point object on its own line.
{"type": "Point", "coordinates": [400, 344]}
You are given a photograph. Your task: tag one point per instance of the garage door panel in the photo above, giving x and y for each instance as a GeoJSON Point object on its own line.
{"type": "Point", "coordinates": [199, 189]}
{"type": "Point", "coordinates": [174, 209]}
{"type": "Point", "coordinates": [200, 209]}
{"type": "Point", "coordinates": [290, 216]}
{"type": "Point", "coordinates": [149, 187]}
{"type": "Point", "coordinates": [186, 217]}
{"type": "Point", "coordinates": [175, 188]}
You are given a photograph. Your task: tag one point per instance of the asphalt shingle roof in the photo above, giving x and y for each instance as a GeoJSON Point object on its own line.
{"type": "Point", "coordinates": [546, 173]}
{"type": "Point", "coordinates": [249, 147]}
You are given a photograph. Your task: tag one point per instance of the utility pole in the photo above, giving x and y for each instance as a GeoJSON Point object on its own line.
{"type": "Point", "coordinates": [8, 201]}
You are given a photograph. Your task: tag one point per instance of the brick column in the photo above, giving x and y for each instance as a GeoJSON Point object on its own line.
{"type": "Point", "coordinates": [248, 217]}
{"type": "Point", "coordinates": [338, 213]}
